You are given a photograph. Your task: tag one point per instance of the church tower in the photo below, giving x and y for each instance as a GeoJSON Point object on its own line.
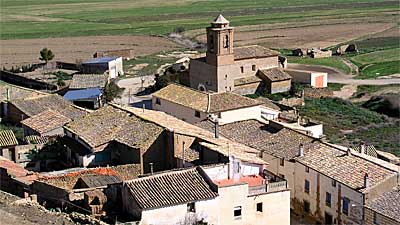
{"type": "Point", "coordinates": [220, 42]}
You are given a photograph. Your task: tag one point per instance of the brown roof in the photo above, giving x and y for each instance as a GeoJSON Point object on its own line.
{"type": "Point", "coordinates": [12, 168]}
{"type": "Point", "coordinates": [253, 51]}
{"type": "Point", "coordinates": [7, 138]}
{"type": "Point", "coordinates": [83, 81]}
{"type": "Point", "coordinates": [268, 103]}
{"type": "Point", "coordinates": [246, 80]}
{"type": "Point", "coordinates": [46, 121]}
{"type": "Point", "coordinates": [110, 123]}
{"type": "Point", "coordinates": [221, 145]}
{"type": "Point", "coordinates": [34, 106]}
{"type": "Point", "coordinates": [198, 100]}
{"type": "Point", "coordinates": [388, 204]}
{"type": "Point", "coordinates": [347, 169]}
{"type": "Point", "coordinates": [170, 188]}
{"type": "Point", "coordinates": [282, 143]}
{"type": "Point", "coordinates": [274, 74]}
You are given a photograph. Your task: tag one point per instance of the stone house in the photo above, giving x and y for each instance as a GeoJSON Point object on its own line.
{"type": "Point", "coordinates": [384, 209]}
{"type": "Point", "coordinates": [229, 69]}
{"type": "Point", "coordinates": [110, 65]}
{"type": "Point", "coordinates": [21, 109]}
{"type": "Point", "coordinates": [46, 123]}
{"type": "Point", "coordinates": [194, 106]}
{"type": "Point", "coordinates": [275, 80]}
{"type": "Point", "coordinates": [325, 181]}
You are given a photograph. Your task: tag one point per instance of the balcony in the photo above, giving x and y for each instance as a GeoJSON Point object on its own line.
{"type": "Point", "coordinates": [267, 188]}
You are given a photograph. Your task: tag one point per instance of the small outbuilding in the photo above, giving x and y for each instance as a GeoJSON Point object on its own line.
{"type": "Point", "coordinates": [276, 80]}
{"type": "Point", "coordinates": [110, 65]}
{"type": "Point", "coordinates": [46, 123]}
{"type": "Point", "coordinates": [315, 79]}
{"type": "Point", "coordinates": [8, 141]}
{"type": "Point", "coordinates": [88, 98]}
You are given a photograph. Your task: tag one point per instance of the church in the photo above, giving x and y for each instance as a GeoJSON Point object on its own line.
{"type": "Point", "coordinates": [242, 70]}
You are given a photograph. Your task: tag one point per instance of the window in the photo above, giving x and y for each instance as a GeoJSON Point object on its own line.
{"type": "Point", "coordinates": [333, 183]}
{"type": "Point", "coordinates": [211, 43]}
{"type": "Point", "coordinates": [226, 42]}
{"type": "Point", "coordinates": [253, 67]}
{"type": "Point", "coordinates": [191, 207]}
{"type": "Point", "coordinates": [197, 114]}
{"type": "Point", "coordinates": [345, 206]}
{"type": "Point", "coordinates": [377, 219]}
{"type": "Point", "coordinates": [259, 207]}
{"type": "Point", "coordinates": [158, 101]}
{"type": "Point", "coordinates": [242, 69]}
{"type": "Point", "coordinates": [282, 162]}
{"type": "Point", "coordinates": [307, 186]}
{"type": "Point", "coordinates": [306, 207]}
{"type": "Point", "coordinates": [237, 212]}
{"type": "Point", "coordinates": [328, 198]}
{"type": "Point", "coordinates": [307, 169]}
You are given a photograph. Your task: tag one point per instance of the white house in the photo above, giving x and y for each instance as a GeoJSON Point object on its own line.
{"type": "Point", "coordinates": [111, 65]}
{"type": "Point", "coordinates": [313, 78]}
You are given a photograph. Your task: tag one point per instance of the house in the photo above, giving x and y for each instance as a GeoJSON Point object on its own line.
{"type": "Point", "coordinates": [318, 53]}
{"type": "Point", "coordinates": [89, 98]}
{"type": "Point", "coordinates": [18, 110]}
{"type": "Point", "coordinates": [384, 209]}
{"type": "Point", "coordinates": [46, 123]}
{"type": "Point", "coordinates": [218, 194]}
{"type": "Point", "coordinates": [312, 78]}
{"type": "Point", "coordinates": [181, 196]}
{"type": "Point", "coordinates": [110, 65]}
{"type": "Point", "coordinates": [8, 141]}
{"type": "Point", "coordinates": [193, 106]}
{"type": "Point", "coordinates": [229, 69]}
{"type": "Point", "coordinates": [326, 181]}
{"type": "Point", "coordinates": [157, 141]}
{"type": "Point", "coordinates": [276, 80]}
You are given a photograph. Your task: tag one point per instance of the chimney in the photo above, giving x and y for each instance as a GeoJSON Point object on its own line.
{"type": "Point", "coordinates": [348, 151]}
{"type": "Point", "coordinates": [363, 148]}
{"type": "Point", "coordinates": [216, 128]}
{"type": "Point", "coordinates": [366, 180]}
{"type": "Point", "coordinates": [301, 150]}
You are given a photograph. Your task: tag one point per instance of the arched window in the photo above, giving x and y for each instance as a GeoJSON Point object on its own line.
{"type": "Point", "coordinates": [226, 41]}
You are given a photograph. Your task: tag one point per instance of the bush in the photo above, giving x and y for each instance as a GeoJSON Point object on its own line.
{"type": "Point", "coordinates": [112, 90]}
{"type": "Point", "coordinates": [179, 29]}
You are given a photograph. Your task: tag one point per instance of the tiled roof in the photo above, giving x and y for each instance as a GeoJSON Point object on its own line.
{"type": "Point", "coordinates": [274, 74]}
{"type": "Point", "coordinates": [388, 204]}
{"type": "Point", "coordinates": [198, 100]}
{"type": "Point", "coordinates": [46, 121]}
{"type": "Point", "coordinates": [220, 20]}
{"type": "Point", "coordinates": [92, 180]}
{"type": "Point", "coordinates": [170, 188]}
{"type": "Point", "coordinates": [222, 145]}
{"type": "Point", "coordinates": [7, 138]}
{"type": "Point", "coordinates": [282, 143]}
{"type": "Point", "coordinates": [12, 168]}
{"type": "Point", "coordinates": [246, 80]}
{"type": "Point", "coordinates": [110, 123]}
{"type": "Point", "coordinates": [128, 171]}
{"type": "Point", "coordinates": [34, 106]}
{"type": "Point", "coordinates": [268, 103]}
{"type": "Point", "coordinates": [83, 81]}
{"type": "Point", "coordinates": [35, 139]}
{"type": "Point", "coordinates": [347, 169]}
{"type": "Point", "coordinates": [17, 92]}
{"type": "Point", "coordinates": [253, 51]}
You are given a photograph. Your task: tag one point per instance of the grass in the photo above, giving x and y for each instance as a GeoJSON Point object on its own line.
{"type": "Point", "coordinates": [335, 86]}
{"type": "Point", "coordinates": [378, 63]}
{"type": "Point", "coordinates": [371, 89]}
{"type": "Point", "coordinates": [60, 18]}
{"type": "Point", "coordinates": [337, 115]}
{"type": "Point", "coordinates": [334, 62]}
{"type": "Point", "coordinates": [377, 44]}
{"type": "Point", "coordinates": [154, 62]}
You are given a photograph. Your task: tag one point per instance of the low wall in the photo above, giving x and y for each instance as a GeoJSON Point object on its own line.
{"type": "Point", "coordinates": [16, 79]}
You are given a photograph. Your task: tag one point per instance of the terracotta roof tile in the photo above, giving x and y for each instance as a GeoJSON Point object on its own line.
{"type": "Point", "coordinates": [34, 106]}
{"type": "Point", "coordinates": [347, 169]}
{"type": "Point", "coordinates": [253, 51]}
{"type": "Point", "coordinates": [7, 138]}
{"type": "Point", "coordinates": [17, 92]}
{"type": "Point", "coordinates": [274, 74]}
{"type": "Point", "coordinates": [198, 100]}
{"type": "Point", "coordinates": [83, 81]}
{"type": "Point", "coordinates": [170, 188]}
{"type": "Point", "coordinates": [12, 168]}
{"type": "Point", "coordinates": [388, 204]}
{"type": "Point", "coordinates": [46, 121]}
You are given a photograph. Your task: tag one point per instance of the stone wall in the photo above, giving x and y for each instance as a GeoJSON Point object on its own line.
{"type": "Point", "coordinates": [370, 215]}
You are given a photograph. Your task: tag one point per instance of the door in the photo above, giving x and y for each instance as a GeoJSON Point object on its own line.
{"type": "Point", "coordinates": [319, 82]}
{"type": "Point", "coordinates": [328, 218]}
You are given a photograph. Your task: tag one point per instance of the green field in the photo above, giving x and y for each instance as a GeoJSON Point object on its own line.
{"type": "Point", "coordinates": [334, 62]}
{"type": "Point", "coordinates": [60, 18]}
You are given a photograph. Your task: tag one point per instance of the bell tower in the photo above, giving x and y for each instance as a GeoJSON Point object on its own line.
{"type": "Point", "coordinates": [220, 42]}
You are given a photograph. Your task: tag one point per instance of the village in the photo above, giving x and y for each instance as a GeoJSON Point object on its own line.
{"type": "Point", "coordinates": [213, 137]}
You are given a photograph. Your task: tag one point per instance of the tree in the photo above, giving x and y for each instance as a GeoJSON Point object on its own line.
{"type": "Point", "coordinates": [111, 91]}
{"type": "Point", "coordinates": [161, 81]}
{"type": "Point", "coordinates": [46, 55]}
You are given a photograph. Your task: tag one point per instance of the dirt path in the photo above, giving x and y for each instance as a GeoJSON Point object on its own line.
{"type": "Point", "coordinates": [353, 67]}
{"type": "Point", "coordinates": [346, 91]}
